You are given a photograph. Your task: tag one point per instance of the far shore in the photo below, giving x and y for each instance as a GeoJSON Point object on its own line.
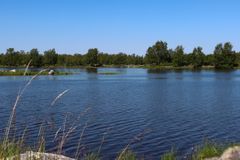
{"type": "Point", "coordinates": [114, 66]}
{"type": "Point", "coordinates": [6, 70]}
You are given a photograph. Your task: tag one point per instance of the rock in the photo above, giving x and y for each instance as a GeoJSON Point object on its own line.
{"type": "Point", "coordinates": [232, 153]}
{"type": "Point", "coordinates": [40, 156]}
{"type": "Point", "coordinates": [51, 72]}
{"type": "Point", "coordinates": [13, 70]}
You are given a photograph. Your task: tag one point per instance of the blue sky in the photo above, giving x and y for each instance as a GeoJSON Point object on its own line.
{"type": "Point", "coordinates": [114, 26]}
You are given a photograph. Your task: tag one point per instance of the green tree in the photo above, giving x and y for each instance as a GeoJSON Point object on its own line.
{"type": "Point", "coordinates": [73, 60]}
{"type": "Point", "coordinates": [91, 58]}
{"type": "Point", "coordinates": [158, 53]}
{"type": "Point", "coordinates": [12, 58]}
{"type": "Point", "coordinates": [120, 59]}
{"type": "Point", "coordinates": [224, 56]}
{"type": "Point", "coordinates": [2, 59]}
{"type": "Point", "coordinates": [178, 57]}
{"type": "Point", "coordinates": [104, 59]}
{"type": "Point", "coordinates": [50, 57]}
{"type": "Point", "coordinates": [134, 59]}
{"type": "Point", "coordinates": [61, 59]}
{"type": "Point", "coordinates": [209, 60]}
{"type": "Point", "coordinates": [238, 58]}
{"type": "Point", "coordinates": [36, 58]}
{"type": "Point", "coordinates": [197, 57]}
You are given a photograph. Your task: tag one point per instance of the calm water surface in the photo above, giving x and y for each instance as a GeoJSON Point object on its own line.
{"type": "Point", "coordinates": [162, 109]}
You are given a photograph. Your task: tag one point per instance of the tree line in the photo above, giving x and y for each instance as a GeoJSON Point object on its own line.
{"type": "Point", "coordinates": [157, 55]}
{"type": "Point", "coordinates": [51, 58]}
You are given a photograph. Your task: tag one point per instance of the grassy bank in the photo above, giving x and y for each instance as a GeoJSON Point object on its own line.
{"type": "Point", "coordinates": [206, 150]}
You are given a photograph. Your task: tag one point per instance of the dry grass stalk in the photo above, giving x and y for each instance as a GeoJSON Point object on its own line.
{"type": "Point", "coordinates": [103, 140]}
{"type": "Point", "coordinates": [26, 69]}
{"type": "Point", "coordinates": [56, 134]}
{"type": "Point", "coordinates": [134, 140]}
{"type": "Point", "coordinates": [79, 142]}
{"type": "Point", "coordinates": [65, 134]}
{"type": "Point", "coordinates": [23, 137]}
{"type": "Point", "coordinates": [13, 112]}
{"type": "Point", "coordinates": [77, 154]}
{"type": "Point", "coordinates": [41, 139]}
{"type": "Point", "coordinates": [59, 96]}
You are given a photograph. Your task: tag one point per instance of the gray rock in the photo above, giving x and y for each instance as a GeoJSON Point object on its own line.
{"type": "Point", "coordinates": [40, 156]}
{"type": "Point", "coordinates": [232, 153]}
{"type": "Point", "coordinates": [51, 72]}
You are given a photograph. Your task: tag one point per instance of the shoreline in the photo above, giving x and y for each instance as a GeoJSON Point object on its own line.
{"type": "Point", "coordinates": [167, 67]}
{"type": "Point", "coordinates": [19, 71]}
{"type": "Point", "coordinates": [208, 151]}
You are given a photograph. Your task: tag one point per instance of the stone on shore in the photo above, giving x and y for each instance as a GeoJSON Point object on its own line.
{"type": "Point", "coordinates": [51, 72]}
{"type": "Point", "coordinates": [40, 156]}
{"type": "Point", "coordinates": [232, 153]}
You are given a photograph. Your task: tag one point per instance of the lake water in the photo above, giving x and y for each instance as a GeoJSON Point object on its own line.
{"type": "Point", "coordinates": [152, 111]}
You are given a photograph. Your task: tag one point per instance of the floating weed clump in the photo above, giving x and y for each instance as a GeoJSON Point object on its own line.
{"type": "Point", "coordinates": [30, 73]}
{"type": "Point", "coordinates": [109, 73]}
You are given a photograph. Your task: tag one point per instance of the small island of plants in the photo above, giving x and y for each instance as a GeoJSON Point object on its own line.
{"type": "Point", "coordinates": [30, 73]}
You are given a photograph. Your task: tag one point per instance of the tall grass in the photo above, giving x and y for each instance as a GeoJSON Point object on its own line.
{"type": "Point", "coordinates": [171, 155]}
{"type": "Point", "coordinates": [10, 147]}
{"type": "Point", "coordinates": [207, 150]}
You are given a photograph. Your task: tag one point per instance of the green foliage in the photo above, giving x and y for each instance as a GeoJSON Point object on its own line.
{"type": "Point", "coordinates": [178, 57]}
{"type": "Point", "coordinates": [29, 73]}
{"type": "Point", "coordinates": [70, 60]}
{"type": "Point", "coordinates": [237, 59]}
{"type": "Point", "coordinates": [127, 155]}
{"type": "Point", "coordinates": [208, 150]}
{"type": "Point", "coordinates": [9, 149]}
{"type": "Point", "coordinates": [92, 57]}
{"type": "Point", "coordinates": [158, 53]}
{"type": "Point", "coordinates": [109, 73]}
{"type": "Point", "coordinates": [12, 58]}
{"type": "Point", "coordinates": [120, 59]}
{"type": "Point", "coordinates": [224, 56]}
{"type": "Point", "coordinates": [50, 57]}
{"type": "Point", "coordinates": [92, 156]}
{"type": "Point", "coordinates": [169, 155]}
{"type": "Point", "coordinates": [209, 60]}
{"type": "Point", "coordinates": [36, 58]}
{"type": "Point", "coordinates": [197, 57]}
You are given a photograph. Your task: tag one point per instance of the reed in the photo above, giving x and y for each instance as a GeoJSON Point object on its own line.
{"type": "Point", "coordinates": [209, 149]}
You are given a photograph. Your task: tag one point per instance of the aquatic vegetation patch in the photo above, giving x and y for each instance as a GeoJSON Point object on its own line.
{"type": "Point", "coordinates": [109, 73]}
{"type": "Point", "coordinates": [30, 73]}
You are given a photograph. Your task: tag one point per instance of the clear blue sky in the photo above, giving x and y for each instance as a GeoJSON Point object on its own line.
{"type": "Point", "coordinates": [114, 26]}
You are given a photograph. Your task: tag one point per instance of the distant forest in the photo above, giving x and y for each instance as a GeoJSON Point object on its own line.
{"type": "Point", "coordinates": [157, 55]}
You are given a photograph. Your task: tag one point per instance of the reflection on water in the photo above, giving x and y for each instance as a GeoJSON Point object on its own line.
{"type": "Point", "coordinates": [91, 70]}
{"type": "Point", "coordinates": [180, 108]}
